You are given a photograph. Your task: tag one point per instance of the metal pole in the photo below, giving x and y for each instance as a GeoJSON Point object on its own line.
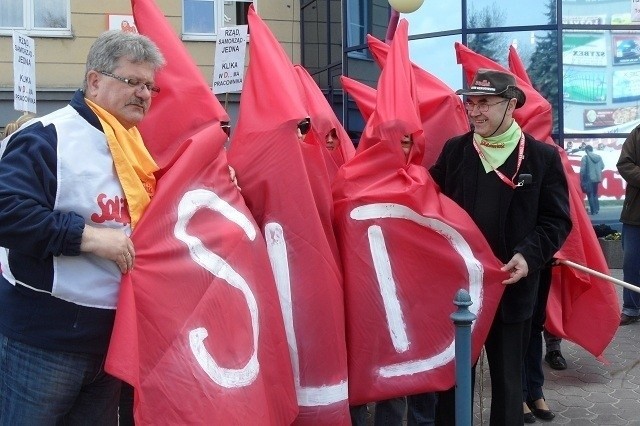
{"type": "Point", "coordinates": [462, 319]}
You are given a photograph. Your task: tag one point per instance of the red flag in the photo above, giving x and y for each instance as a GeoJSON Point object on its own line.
{"type": "Point", "coordinates": [323, 121]}
{"type": "Point", "coordinates": [404, 257]}
{"type": "Point", "coordinates": [198, 331]}
{"type": "Point", "coordinates": [577, 301]}
{"type": "Point", "coordinates": [517, 67]}
{"type": "Point", "coordinates": [438, 104]}
{"type": "Point", "coordinates": [286, 185]}
{"type": "Point", "coordinates": [363, 95]}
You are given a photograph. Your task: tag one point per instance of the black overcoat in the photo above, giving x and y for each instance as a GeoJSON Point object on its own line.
{"type": "Point", "coordinates": [534, 219]}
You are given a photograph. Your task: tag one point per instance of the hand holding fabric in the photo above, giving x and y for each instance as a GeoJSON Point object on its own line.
{"type": "Point", "coordinates": [517, 268]}
{"type": "Point", "coordinates": [110, 244]}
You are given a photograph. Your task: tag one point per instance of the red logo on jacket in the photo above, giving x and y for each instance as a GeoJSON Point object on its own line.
{"type": "Point", "coordinates": [115, 210]}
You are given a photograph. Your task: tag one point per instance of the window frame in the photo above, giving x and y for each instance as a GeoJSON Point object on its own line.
{"type": "Point", "coordinates": [218, 23]}
{"type": "Point", "coordinates": [28, 23]}
{"type": "Point", "coordinates": [362, 22]}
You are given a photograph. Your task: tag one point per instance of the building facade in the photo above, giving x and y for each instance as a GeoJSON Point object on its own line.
{"type": "Point", "coordinates": [582, 55]}
{"type": "Point", "coordinates": [63, 31]}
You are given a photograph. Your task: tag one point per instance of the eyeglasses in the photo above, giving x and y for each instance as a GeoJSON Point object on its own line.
{"type": "Point", "coordinates": [226, 127]}
{"type": "Point", "coordinates": [153, 90]}
{"type": "Point", "coordinates": [304, 126]}
{"type": "Point", "coordinates": [482, 106]}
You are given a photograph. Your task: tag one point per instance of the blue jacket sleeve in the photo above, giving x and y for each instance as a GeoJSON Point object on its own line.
{"type": "Point", "coordinates": [28, 184]}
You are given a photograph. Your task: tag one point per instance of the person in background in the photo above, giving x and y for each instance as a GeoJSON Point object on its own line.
{"type": "Point", "coordinates": [629, 168]}
{"type": "Point", "coordinates": [331, 140]}
{"type": "Point", "coordinates": [12, 126]}
{"type": "Point", "coordinates": [591, 167]}
{"type": "Point", "coordinates": [63, 249]}
{"type": "Point", "coordinates": [515, 190]}
{"type": "Point", "coordinates": [553, 355]}
{"type": "Point", "coordinates": [303, 128]}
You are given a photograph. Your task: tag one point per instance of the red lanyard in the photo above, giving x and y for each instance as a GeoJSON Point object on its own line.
{"type": "Point", "coordinates": [498, 172]}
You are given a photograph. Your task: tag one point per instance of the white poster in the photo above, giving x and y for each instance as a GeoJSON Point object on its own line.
{"type": "Point", "coordinates": [24, 73]}
{"type": "Point", "coordinates": [122, 22]}
{"type": "Point", "coordinates": [228, 68]}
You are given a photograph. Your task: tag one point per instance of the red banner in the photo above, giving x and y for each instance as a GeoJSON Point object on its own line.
{"type": "Point", "coordinates": [286, 184]}
{"type": "Point", "coordinates": [199, 331]}
{"type": "Point", "coordinates": [406, 251]}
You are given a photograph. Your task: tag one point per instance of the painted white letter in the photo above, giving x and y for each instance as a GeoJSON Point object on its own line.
{"type": "Point", "coordinates": [188, 206]}
{"type": "Point", "coordinates": [397, 327]}
{"type": "Point", "coordinates": [307, 396]}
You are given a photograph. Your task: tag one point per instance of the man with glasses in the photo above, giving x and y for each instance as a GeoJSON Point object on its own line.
{"type": "Point", "coordinates": [73, 184]}
{"type": "Point", "coordinates": [515, 190]}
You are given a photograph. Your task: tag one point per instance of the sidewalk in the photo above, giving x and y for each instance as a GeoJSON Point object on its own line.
{"type": "Point", "coordinates": [588, 392]}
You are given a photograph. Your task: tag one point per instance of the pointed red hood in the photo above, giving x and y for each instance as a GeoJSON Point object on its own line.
{"type": "Point", "coordinates": [270, 79]}
{"type": "Point", "coordinates": [437, 104]}
{"type": "Point", "coordinates": [185, 103]}
{"type": "Point", "coordinates": [286, 185]}
{"type": "Point", "coordinates": [323, 120]}
{"type": "Point", "coordinates": [397, 106]}
{"type": "Point", "coordinates": [363, 95]}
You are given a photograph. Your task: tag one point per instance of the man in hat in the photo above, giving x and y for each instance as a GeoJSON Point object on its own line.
{"type": "Point", "coordinates": [514, 188]}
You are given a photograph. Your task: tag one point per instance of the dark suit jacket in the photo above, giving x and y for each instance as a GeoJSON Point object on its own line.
{"type": "Point", "coordinates": [534, 219]}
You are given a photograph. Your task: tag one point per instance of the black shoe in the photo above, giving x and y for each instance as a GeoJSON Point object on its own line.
{"type": "Point", "coordinates": [545, 415]}
{"type": "Point", "coordinates": [628, 319]}
{"type": "Point", "coordinates": [529, 417]}
{"type": "Point", "coordinates": [556, 360]}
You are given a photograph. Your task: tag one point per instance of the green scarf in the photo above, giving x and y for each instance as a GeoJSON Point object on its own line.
{"type": "Point", "coordinates": [496, 149]}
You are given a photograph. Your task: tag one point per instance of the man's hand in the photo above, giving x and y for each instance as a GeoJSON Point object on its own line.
{"type": "Point", "coordinates": [233, 177]}
{"type": "Point", "coordinates": [517, 268]}
{"type": "Point", "coordinates": [111, 244]}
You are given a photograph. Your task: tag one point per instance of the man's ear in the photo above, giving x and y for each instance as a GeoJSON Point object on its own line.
{"type": "Point", "coordinates": [93, 81]}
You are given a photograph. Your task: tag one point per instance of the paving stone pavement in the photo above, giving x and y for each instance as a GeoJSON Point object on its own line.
{"type": "Point", "coordinates": [588, 392]}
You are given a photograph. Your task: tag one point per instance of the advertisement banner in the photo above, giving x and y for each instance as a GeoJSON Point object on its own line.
{"type": "Point", "coordinates": [635, 10]}
{"type": "Point", "coordinates": [584, 49]}
{"type": "Point", "coordinates": [607, 117]}
{"type": "Point", "coordinates": [626, 85]}
{"type": "Point", "coordinates": [585, 87]}
{"type": "Point", "coordinates": [626, 49]}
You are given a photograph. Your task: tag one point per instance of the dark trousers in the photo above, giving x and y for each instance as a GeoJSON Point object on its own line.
{"type": "Point", "coordinates": [505, 346]}
{"type": "Point", "coordinates": [631, 268]}
{"type": "Point", "coordinates": [125, 407]}
{"type": "Point", "coordinates": [592, 197]}
{"type": "Point", "coordinates": [420, 411]}
{"type": "Point", "coordinates": [532, 373]}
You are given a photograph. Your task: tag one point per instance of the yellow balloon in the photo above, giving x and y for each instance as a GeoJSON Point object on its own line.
{"type": "Point", "coordinates": [406, 6]}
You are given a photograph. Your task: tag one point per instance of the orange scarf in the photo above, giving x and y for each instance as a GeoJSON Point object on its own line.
{"type": "Point", "coordinates": [134, 165]}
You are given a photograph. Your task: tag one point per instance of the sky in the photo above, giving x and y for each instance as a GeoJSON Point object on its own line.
{"type": "Point", "coordinates": [437, 56]}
